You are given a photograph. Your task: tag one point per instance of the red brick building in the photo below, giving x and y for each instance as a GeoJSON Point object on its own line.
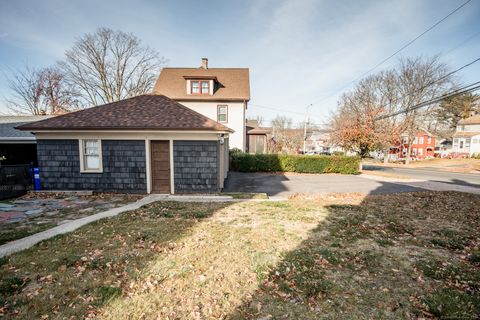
{"type": "Point", "coordinates": [423, 146]}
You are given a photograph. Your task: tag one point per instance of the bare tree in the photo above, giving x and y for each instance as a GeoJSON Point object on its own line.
{"type": "Point", "coordinates": [288, 138]}
{"type": "Point", "coordinates": [38, 92]}
{"type": "Point", "coordinates": [419, 79]}
{"type": "Point", "coordinates": [107, 66]}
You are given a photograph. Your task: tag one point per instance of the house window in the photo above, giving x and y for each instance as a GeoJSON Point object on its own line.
{"type": "Point", "coordinates": [222, 113]}
{"type": "Point", "coordinates": [90, 155]}
{"type": "Point", "coordinates": [420, 151]}
{"type": "Point", "coordinates": [205, 87]}
{"type": "Point", "coordinates": [200, 87]}
{"type": "Point", "coordinates": [467, 143]}
{"type": "Point", "coordinates": [429, 140]}
{"type": "Point", "coordinates": [461, 128]}
{"type": "Point", "coordinates": [474, 141]}
{"type": "Point", "coordinates": [461, 144]}
{"type": "Point", "coordinates": [415, 140]}
{"type": "Point", "coordinates": [420, 140]}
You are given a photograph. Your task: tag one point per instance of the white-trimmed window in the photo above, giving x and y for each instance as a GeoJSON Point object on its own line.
{"type": "Point", "coordinates": [199, 87]}
{"type": "Point", "coordinates": [222, 113]}
{"type": "Point", "coordinates": [420, 151]}
{"type": "Point", "coordinates": [420, 140]}
{"type": "Point", "coordinates": [467, 143]}
{"type": "Point", "coordinates": [91, 155]}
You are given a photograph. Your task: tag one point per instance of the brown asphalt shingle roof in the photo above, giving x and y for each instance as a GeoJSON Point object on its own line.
{"type": "Point", "coordinates": [145, 112]}
{"type": "Point", "coordinates": [471, 120]}
{"type": "Point", "coordinates": [232, 83]}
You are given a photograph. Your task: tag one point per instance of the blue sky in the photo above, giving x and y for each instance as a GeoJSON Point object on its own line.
{"type": "Point", "coordinates": [298, 51]}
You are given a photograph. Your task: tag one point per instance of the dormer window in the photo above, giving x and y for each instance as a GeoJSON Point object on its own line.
{"type": "Point", "coordinates": [200, 87]}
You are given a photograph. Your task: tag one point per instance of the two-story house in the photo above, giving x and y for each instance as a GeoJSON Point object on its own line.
{"type": "Point", "coordinates": [466, 139]}
{"type": "Point", "coordinates": [221, 94]}
{"type": "Point", "coordinates": [423, 145]}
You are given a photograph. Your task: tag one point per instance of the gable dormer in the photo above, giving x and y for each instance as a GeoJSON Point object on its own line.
{"type": "Point", "coordinates": [200, 85]}
{"type": "Point", "coordinates": [204, 83]}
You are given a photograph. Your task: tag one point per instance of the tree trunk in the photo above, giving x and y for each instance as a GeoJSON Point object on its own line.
{"type": "Point", "coordinates": [386, 154]}
{"type": "Point", "coordinates": [409, 152]}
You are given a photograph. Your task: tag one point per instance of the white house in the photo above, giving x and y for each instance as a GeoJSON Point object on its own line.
{"type": "Point", "coordinates": [466, 139]}
{"type": "Point", "coordinates": [222, 94]}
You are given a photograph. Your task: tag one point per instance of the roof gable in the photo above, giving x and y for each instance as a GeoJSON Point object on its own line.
{"type": "Point", "coordinates": [471, 120]}
{"type": "Point", "coordinates": [230, 83]}
{"type": "Point", "coordinates": [145, 112]}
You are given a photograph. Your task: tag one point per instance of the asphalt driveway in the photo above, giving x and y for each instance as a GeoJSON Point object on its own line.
{"type": "Point", "coordinates": [284, 185]}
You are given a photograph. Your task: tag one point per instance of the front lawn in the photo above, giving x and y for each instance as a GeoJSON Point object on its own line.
{"type": "Point", "coordinates": [390, 256]}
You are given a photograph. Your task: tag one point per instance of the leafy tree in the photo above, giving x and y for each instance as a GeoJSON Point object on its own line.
{"type": "Point", "coordinates": [355, 126]}
{"type": "Point", "coordinates": [454, 109]}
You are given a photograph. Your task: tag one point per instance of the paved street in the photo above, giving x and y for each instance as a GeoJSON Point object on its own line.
{"type": "Point", "coordinates": [285, 185]}
{"type": "Point", "coordinates": [431, 174]}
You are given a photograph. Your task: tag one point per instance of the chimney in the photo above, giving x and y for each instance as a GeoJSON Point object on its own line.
{"type": "Point", "coordinates": [204, 63]}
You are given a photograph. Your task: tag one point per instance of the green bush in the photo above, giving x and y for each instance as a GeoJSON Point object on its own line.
{"type": "Point", "coordinates": [245, 162]}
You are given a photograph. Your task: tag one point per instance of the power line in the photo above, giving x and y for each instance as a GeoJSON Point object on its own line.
{"type": "Point", "coordinates": [395, 101]}
{"type": "Point", "coordinates": [391, 56]}
{"type": "Point", "coordinates": [461, 43]}
{"type": "Point", "coordinates": [397, 51]}
{"type": "Point", "coordinates": [435, 81]}
{"type": "Point", "coordinates": [286, 111]}
{"type": "Point", "coordinates": [469, 88]}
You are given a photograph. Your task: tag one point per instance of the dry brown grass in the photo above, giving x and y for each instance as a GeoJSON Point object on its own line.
{"type": "Point", "coordinates": [311, 257]}
{"type": "Point", "coordinates": [451, 165]}
{"type": "Point", "coordinates": [385, 175]}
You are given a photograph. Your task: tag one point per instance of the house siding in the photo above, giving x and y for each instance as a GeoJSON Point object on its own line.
{"type": "Point", "coordinates": [235, 118]}
{"type": "Point", "coordinates": [195, 166]}
{"type": "Point", "coordinates": [123, 166]}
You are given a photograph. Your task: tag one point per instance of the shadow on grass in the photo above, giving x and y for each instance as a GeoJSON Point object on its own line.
{"type": "Point", "coordinates": [79, 272]}
{"type": "Point", "coordinates": [402, 255]}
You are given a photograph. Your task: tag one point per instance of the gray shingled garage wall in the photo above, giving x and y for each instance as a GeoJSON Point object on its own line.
{"type": "Point", "coordinates": [123, 166]}
{"type": "Point", "coordinates": [195, 166]}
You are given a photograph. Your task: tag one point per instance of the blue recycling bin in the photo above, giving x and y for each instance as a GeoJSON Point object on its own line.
{"type": "Point", "coordinates": [36, 179]}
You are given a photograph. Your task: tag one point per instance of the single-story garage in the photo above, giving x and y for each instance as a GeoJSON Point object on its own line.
{"type": "Point", "coordinates": [144, 144]}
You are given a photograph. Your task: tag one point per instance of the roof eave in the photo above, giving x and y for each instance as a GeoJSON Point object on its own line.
{"type": "Point", "coordinates": [114, 129]}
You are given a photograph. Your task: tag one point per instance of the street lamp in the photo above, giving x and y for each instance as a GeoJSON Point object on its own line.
{"type": "Point", "coordinates": [305, 129]}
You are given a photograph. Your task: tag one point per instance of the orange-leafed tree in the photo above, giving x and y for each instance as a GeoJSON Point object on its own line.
{"type": "Point", "coordinates": [356, 126]}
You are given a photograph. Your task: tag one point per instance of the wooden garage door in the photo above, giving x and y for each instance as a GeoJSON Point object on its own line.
{"type": "Point", "coordinates": [160, 166]}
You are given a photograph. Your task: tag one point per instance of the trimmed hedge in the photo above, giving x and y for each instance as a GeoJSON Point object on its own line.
{"type": "Point", "coordinates": [245, 162]}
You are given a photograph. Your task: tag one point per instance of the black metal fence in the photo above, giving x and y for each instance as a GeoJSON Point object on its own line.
{"type": "Point", "coordinates": [15, 180]}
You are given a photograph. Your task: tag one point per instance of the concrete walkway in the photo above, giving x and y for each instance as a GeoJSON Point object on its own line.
{"type": "Point", "coordinates": [30, 241]}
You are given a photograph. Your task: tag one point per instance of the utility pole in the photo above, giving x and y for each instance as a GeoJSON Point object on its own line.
{"type": "Point", "coordinates": [305, 129]}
